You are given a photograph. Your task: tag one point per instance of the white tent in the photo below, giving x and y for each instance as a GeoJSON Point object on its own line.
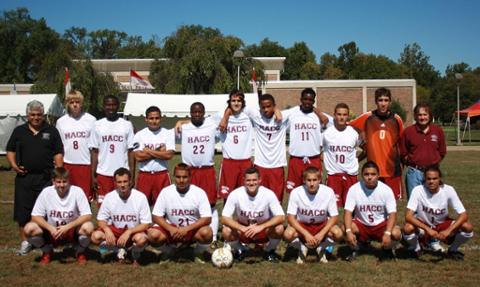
{"type": "Point", "coordinates": [13, 112]}
{"type": "Point", "coordinates": [179, 105]}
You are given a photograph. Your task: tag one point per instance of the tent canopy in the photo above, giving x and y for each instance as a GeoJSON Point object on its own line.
{"type": "Point", "coordinates": [179, 105]}
{"type": "Point", "coordinates": [15, 105]}
{"type": "Point", "coordinates": [472, 111]}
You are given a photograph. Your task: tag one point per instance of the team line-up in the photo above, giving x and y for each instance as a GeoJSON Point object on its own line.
{"type": "Point", "coordinates": [94, 158]}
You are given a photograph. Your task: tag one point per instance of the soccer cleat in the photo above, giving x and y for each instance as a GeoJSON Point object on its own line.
{"type": "Point", "coordinates": [302, 257]}
{"type": "Point", "coordinates": [200, 258]}
{"type": "Point", "coordinates": [46, 258]}
{"type": "Point", "coordinates": [455, 255]}
{"type": "Point", "coordinates": [238, 255]}
{"type": "Point", "coordinates": [388, 254]}
{"type": "Point", "coordinates": [321, 254]}
{"type": "Point", "coordinates": [272, 257]}
{"type": "Point", "coordinates": [81, 258]}
{"type": "Point", "coordinates": [435, 246]}
{"type": "Point", "coordinates": [25, 247]}
{"type": "Point", "coordinates": [122, 252]}
{"type": "Point", "coordinates": [352, 256]}
{"type": "Point", "coordinates": [414, 254]}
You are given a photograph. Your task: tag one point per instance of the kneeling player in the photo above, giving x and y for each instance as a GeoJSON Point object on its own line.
{"type": "Point", "coordinates": [312, 216]}
{"type": "Point", "coordinates": [375, 211]}
{"type": "Point", "coordinates": [427, 216]}
{"type": "Point", "coordinates": [123, 219]}
{"type": "Point", "coordinates": [183, 215]}
{"type": "Point", "coordinates": [61, 215]}
{"type": "Point", "coordinates": [259, 217]}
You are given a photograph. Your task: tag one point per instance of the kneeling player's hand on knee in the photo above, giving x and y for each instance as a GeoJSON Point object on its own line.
{"type": "Point", "coordinates": [386, 240]}
{"type": "Point", "coordinates": [351, 239]}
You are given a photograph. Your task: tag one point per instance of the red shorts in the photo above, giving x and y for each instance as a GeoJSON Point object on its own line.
{"type": "Point", "coordinates": [366, 232]}
{"type": "Point", "coordinates": [296, 166]}
{"type": "Point", "coordinates": [70, 237]}
{"type": "Point", "coordinates": [187, 239]}
{"type": "Point", "coordinates": [118, 232]}
{"type": "Point", "coordinates": [313, 229]}
{"type": "Point", "coordinates": [274, 179]}
{"type": "Point", "coordinates": [81, 175]}
{"type": "Point", "coordinates": [341, 183]}
{"type": "Point", "coordinates": [395, 183]}
{"type": "Point", "coordinates": [259, 238]}
{"type": "Point", "coordinates": [105, 185]}
{"type": "Point", "coordinates": [152, 183]}
{"type": "Point", "coordinates": [232, 174]}
{"type": "Point", "coordinates": [440, 227]}
{"type": "Point", "coordinates": [205, 178]}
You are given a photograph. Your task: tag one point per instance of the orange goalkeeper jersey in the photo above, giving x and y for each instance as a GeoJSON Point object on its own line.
{"type": "Point", "coordinates": [381, 135]}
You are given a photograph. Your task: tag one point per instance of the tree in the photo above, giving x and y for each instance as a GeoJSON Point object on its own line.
{"type": "Point", "coordinates": [136, 48]}
{"type": "Point", "coordinates": [266, 48]}
{"type": "Point", "coordinates": [329, 69]}
{"type": "Point", "coordinates": [418, 66]}
{"type": "Point", "coordinates": [346, 59]}
{"type": "Point", "coordinates": [300, 63]}
{"type": "Point", "coordinates": [105, 44]}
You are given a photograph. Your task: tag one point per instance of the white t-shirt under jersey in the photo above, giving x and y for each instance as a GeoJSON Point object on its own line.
{"type": "Point", "coordinates": [432, 209]}
{"type": "Point", "coordinates": [339, 150]}
{"type": "Point", "coordinates": [125, 213]}
{"type": "Point", "coordinates": [182, 209]}
{"type": "Point", "coordinates": [312, 208]}
{"type": "Point", "coordinates": [198, 143]}
{"type": "Point", "coordinates": [113, 140]}
{"type": "Point", "coordinates": [252, 209]}
{"type": "Point", "coordinates": [61, 211]}
{"type": "Point", "coordinates": [147, 138]}
{"type": "Point", "coordinates": [371, 207]}
{"type": "Point", "coordinates": [75, 134]}
{"type": "Point", "coordinates": [305, 133]}
{"type": "Point", "coordinates": [270, 149]}
{"type": "Point", "coordinates": [237, 141]}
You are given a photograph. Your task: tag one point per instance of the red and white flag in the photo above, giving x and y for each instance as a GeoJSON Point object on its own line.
{"type": "Point", "coordinates": [67, 83]}
{"type": "Point", "coordinates": [254, 81]}
{"type": "Point", "coordinates": [137, 82]}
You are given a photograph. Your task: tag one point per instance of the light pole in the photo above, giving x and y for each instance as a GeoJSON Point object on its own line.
{"type": "Point", "coordinates": [238, 54]}
{"type": "Point", "coordinates": [459, 77]}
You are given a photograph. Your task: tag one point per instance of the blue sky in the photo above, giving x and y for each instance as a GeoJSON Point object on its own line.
{"type": "Point", "coordinates": [447, 31]}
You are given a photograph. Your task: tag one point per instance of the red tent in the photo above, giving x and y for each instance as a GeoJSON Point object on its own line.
{"type": "Point", "coordinates": [472, 111]}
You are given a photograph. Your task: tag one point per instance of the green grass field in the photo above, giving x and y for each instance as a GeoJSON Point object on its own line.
{"type": "Point", "coordinates": [461, 169]}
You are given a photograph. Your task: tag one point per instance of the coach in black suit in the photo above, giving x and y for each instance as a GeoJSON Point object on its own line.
{"type": "Point", "coordinates": [33, 150]}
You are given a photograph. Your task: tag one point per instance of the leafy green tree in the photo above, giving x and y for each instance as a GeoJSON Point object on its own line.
{"type": "Point", "coordinates": [300, 63]}
{"type": "Point", "coordinates": [266, 48]}
{"type": "Point", "coordinates": [135, 47]}
{"type": "Point", "coordinates": [347, 58]}
{"type": "Point", "coordinates": [329, 69]}
{"type": "Point", "coordinates": [105, 44]}
{"type": "Point", "coordinates": [418, 66]}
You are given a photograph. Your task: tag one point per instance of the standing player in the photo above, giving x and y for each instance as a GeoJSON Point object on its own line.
{"type": "Point", "coordinates": [75, 128]}
{"type": "Point", "coordinates": [340, 155]}
{"type": "Point", "coordinates": [61, 215]}
{"type": "Point", "coordinates": [270, 155]}
{"type": "Point", "coordinates": [123, 219]}
{"type": "Point", "coordinates": [421, 145]}
{"type": "Point", "coordinates": [182, 212]}
{"type": "Point", "coordinates": [375, 211]}
{"type": "Point", "coordinates": [198, 150]}
{"type": "Point", "coordinates": [33, 150]}
{"type": "Point", "coordinates": [258, 217]}
{"type": "Point", "coordinates": [381, 130]}
{"type": "Point", "coordinates": [305, 126]}
{"type": "Point", "coordinates": [236, 145]}
{"type": "Point", "coordinates": [312, 216]}
{"type": "Point", "coordinates": [427, 216]}
{"type": "Point", "coordinates": [153, 146]}
{"type": "Point", "coordinates": [111, 147]}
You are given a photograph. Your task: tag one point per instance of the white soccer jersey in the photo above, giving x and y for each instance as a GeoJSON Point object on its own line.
{"type": "Point", "coordinates": [125, 213]}
{"type": "Point", "coordinates": [113, 140]}
{"type": "Point", "coordinates": [182, 209]}
{"type": "Point", "coordinates": [339, 150]}
{"type": "Point", "coordinates": [270, 149]}
{"type": "Point", "coordinates": [75, 134]}
{"type": "Point", "coordinates": [198, 143]}
{"type": "Point", "coordinates": [371, 207]}
{"type": "Point", "coordinates": [237, 141]}
{"type": "Point", "coordinates": [305, 133]}
{"type": "Point", "coordinates": [432, 209]}
{"type": "Point", "coordinates": [61, 211]}
{"type": "Point", "coordinates": [312, 208]}
{"type": "Point", "coordinates": [154, 140]}
{"type": "Point", "coordinates": [252, 210]}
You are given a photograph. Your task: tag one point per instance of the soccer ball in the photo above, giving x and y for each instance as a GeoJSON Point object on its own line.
{"type": "Point", "coordinates": [222, 257]}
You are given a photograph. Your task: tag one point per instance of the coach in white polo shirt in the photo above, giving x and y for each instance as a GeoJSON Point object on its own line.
{"type": "Point", "coordinates": [153, 147]}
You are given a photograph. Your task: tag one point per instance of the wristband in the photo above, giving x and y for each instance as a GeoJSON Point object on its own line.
{"type": "Point", "coordinates": [348, 230]}
{"type": "Point", "coordinates": [388, 233]}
